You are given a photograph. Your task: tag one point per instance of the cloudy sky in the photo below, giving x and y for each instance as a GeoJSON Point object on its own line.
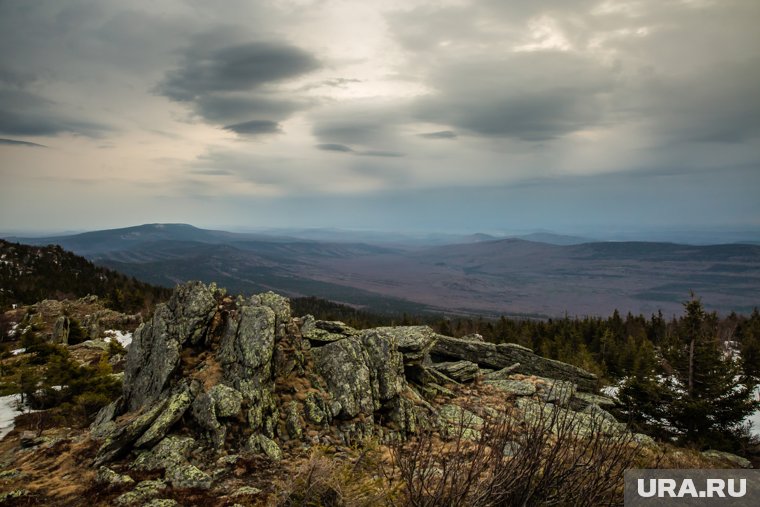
{"type": "Point", "coordinates": [455, 115]}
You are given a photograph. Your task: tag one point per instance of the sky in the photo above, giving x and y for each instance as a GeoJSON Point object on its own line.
{"type": "Point", "coordinates": [413, 115]}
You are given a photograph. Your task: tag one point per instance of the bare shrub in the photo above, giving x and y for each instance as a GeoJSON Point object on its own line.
{"type": "Point", "coordinates": [549, 456]}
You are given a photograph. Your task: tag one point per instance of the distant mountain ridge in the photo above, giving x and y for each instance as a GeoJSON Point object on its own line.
{"type": "Point", "coordinates": [477, 275]}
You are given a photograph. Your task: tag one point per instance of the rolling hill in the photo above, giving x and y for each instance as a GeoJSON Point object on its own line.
{"type": "Point", "coordinates": [482, 276]}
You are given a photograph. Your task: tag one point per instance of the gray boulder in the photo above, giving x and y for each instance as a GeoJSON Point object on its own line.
{"type": "Point", "coordinates": [361, 372]}
{"type": "Point", "coordinates": [325, 330]}
{"type": "Point", "coordinates": [414, 342]}
{"type": "Point", "coordinates": [498, 356]}
{"type": "Point", "coordinates": [461, 371]}
{"type": "Point", "coordinates": [516, 387]}
{"type": "Point", "coordinates": [154, 353]}
{"type": "Point", "coordinates": [344, 367]}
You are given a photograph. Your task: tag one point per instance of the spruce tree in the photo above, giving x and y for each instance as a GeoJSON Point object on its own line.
{"type": "Point", "coordinates": [701, 395]}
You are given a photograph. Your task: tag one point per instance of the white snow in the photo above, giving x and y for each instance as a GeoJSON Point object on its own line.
{"type": "Point", "coordinates": [755, 418]}
{"type": "Point", "coordinates": [9, 408]}
{"type": "Point", "coordinates": [123, 338]}
{"type": "Point", "coordinates": [611, 391]}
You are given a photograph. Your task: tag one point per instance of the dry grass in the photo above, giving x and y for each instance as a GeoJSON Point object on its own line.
{"type": "Point", "coordinates": [351, 480]}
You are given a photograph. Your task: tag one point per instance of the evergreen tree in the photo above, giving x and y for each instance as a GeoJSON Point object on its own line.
{"type": "Point", "coordinates": [705, 396]}
{"type": "Point", "coordinates": [749, 336]}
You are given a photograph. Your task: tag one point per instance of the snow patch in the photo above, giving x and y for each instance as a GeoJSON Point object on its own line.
{"type": "Point", "coordinates": [122, 337]}
{"type": "Point", "coordinates": [10, 407]}
{"type": "Point", "coordinates": [755, 418]}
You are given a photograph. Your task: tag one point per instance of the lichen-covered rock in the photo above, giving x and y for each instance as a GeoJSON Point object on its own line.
{"type": "Point", "coordinates": [293, 423]}
{"type": "Point", "coordinates": [204, 413]}
{"type": "Point", "coordinates": [280, 305]}
{"type": "Point", "coordinates": [245, 491]}
{"type": "Point", "coordinates": [414, 342]}
{"type": "Point", "coordinates": [245, 354]}
{"type": "Point", "coordinates": [453, 420]}
{"type": "Point", "coordinates": [361, 372]}
{"type": "Point", "coordinates": [344, 367]}
{"type": "Point", "coordinates": [502, 355]}
{"type": "Point", "coordinates": [594, 409]}
{"type": "Point", "coordinates": [13, 494]}
{"type": "Point", "coordinates": [555, 419]}
{"type": "Point", "coordinates": [176, 406]}
{"type": "Point", "coordinates": [516, 387]}
{"type": "Point", "coordinates": [170, 452]}
{"type": "Point", "coordinates": [461, 371]}
{"type": "Point", "coordinates": [727, 457]}
{"type": "Point", "coordinates": [103, 423]}
{"type": "Point", "coordinates": [154, 353]}
{"type": "Point", "coordinates": [385, 364]}
{"type": "Point", "coordinates": [325, 330]}
{"type": "Point", "coordinates": [260, 443]}
{"type": "Point", "coordinates": [227, 401]}
{"type": "Point", "coordinates": [502, 374]}
{"type": "Point", "coordinates": [558, 392]}
{"type": "Point", "coordinates": [120, 439]}
{"type": "Point", "coordinates": [142, 494]}
{"type": "Point", "coordinates": [581, 400]}
{"type": "Point", "coordinates": [107, 477]}
{"type": "Point", "coordinates": [61, 330]}
{"type": "Point", "coordinates": [645, 441]}
{"type": "Point", "coordinates": [162, 502]}
{"type": "Point", "coordinates": [187, 475]}
{"type": "Point", "coordinates": [407, 417]}
{"type": "Point", "coordinates": [315, 409]}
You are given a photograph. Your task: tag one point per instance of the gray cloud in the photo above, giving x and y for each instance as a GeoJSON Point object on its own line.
{"type": "Point", "coordinates": [720, 106]}
{"type": "Point", "coordinates": [441, 134]}
{"type": "Point", "coordinates": [533, 97]}
{"type": "Point", "coordinates": [226, 108]}
{"type": "Point", "coordinates": [236, 85]}
{"type": "Point", "coordinates": [381, 153]}
{"type": "Point", "coordinates": [335, 147]}
{"type": "Point", "coordinates": [365, 123]}
{"type": "Point", "coordinates": [254, 127]}
{"type": "Point", "coordinates": [26, 114]}
{"type": "Point", "coordinates": [212, 172]}
{"type": "Point", "coordinates": [235, 68]}
{"type": "Point", "coordinates": [15, 142]}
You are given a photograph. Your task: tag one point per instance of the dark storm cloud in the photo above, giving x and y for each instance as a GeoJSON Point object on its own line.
{"type": "Point", "coordinates": [527, 96]}
{"type": "Point", "coordinates": [236, 68]}
{"type": "Point", "coordinates": [235, 84]}
{"type": "Point", "coordinates": [442, 134]}
{"type": "Point", "coordinates": [14, 142]}
{"type": "Point", "coordinates": [335, 147]}
{"type": "Point", "coordinates": [254, 127]}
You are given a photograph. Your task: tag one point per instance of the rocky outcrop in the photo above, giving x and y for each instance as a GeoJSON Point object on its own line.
{"type": "Point", "coordinates": [156, 345]}
{"type": "Point", "coordinates": [210, 376]}
{"type": "Point", "coordinates": [503, 355]}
